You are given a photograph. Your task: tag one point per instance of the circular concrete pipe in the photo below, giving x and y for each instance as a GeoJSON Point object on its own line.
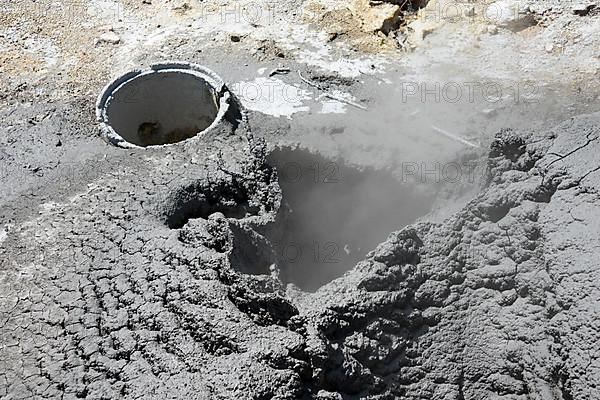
{"type": "Point", "coordinates": [164, 104]}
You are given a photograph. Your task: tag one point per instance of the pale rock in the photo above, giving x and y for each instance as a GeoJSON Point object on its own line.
{"type": "Point", "coordinates": [431, 17]}
{"type": "Point", "coordinates": [492, 29]}
{"type": "Point", "coordinates": [509, 14]}
{"type": "Point", "coordinates": [422, 28]}
{"type": "Point", "coordinates": [380, 17]}
{"type": "Point", "coordinates": [109, 37]}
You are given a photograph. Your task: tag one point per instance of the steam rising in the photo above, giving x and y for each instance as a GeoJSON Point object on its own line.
{"type": "Point", "coordinates": [387, 165]}
{"type": "Point", "coordinates": [335, 214]}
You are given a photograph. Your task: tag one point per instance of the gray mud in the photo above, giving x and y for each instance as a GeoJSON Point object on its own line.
{"type": "Point", "coordinates": [156, 274]}
{"type": "Point", "coordinates": [353, 255]}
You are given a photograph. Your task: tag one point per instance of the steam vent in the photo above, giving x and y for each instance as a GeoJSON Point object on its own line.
{"type": "Point", "coordinates": [165, 104]}
{"type": "Point", "coordinates": [300, 200]}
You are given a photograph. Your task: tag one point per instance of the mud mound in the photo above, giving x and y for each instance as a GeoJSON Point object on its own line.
{"type": "Point", "coordinates": [488, 303]}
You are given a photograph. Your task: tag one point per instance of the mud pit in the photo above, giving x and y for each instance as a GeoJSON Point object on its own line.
{"type": "Point", "coordinates": [165, 104]}
{"type": "Point", "coordinates": [334, 213]}
{"type": "Point", "coordinates": [331, 214]}
{"type": "Point", "coordinates": [494, 296]}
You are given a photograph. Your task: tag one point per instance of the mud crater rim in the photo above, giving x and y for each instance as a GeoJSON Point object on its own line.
{"type": "Point", "coordinates": [161, 105]}
{"type": "Point", "coordinates": [332, 213]}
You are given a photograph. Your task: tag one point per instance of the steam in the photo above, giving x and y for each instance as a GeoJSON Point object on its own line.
{"type": "Point", "coordinates": [390, 163]}
{"type": "Point", "coordinates": [335, 214]}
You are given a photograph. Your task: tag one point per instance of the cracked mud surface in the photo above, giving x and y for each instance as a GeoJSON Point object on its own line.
{"type": "Point", "coordinates": [162, 272]}
{"type": "Point", "coordinates": [102, 298]}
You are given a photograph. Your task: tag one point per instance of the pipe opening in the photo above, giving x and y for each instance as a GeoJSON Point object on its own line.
{"type": "Point", "coordinates": [164, 105]}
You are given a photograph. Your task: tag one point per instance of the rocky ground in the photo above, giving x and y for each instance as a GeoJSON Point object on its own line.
{"type": "Point", "coordinates": [163, 273]}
